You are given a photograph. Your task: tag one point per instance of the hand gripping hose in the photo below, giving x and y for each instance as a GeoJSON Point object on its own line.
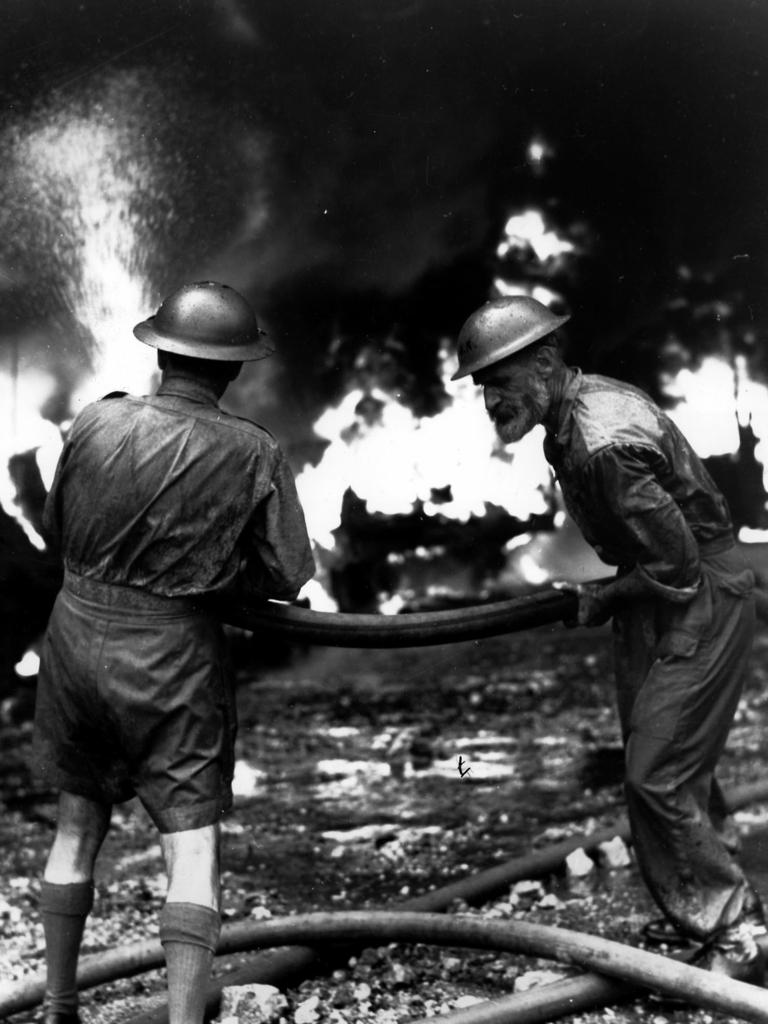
{"type": "Point", "coordinates": [419, 629]}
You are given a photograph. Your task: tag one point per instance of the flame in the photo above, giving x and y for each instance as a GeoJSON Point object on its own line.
{"type": "Point", "coordinates": [752, 409]}
{"type": "Point", "coordinates": [540, 292]}
{"type": "Point", "coordinates": [538, 153]}
{"type": "Point", "coordinates": [29, 665]}
{"type": "Point", "coordinates": [705, 406]}
{"type": "Point", "coordinates": [529, 228]}
{"type": "Point", "coordinates": [87, 161]}
{"type": "Point", "coordinates": [81, 174]}
{"type": "Point", "coordinates": [452, 463]}
{"type": "Point", "coordinates": [712, 402]}
{"type": "Point", "coordinates": [392, 460]}
{"type": "Point", "coordinates": [23, 391]}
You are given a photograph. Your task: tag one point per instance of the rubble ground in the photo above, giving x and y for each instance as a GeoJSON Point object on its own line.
{"type": "Point", "coordinates": [367, 777]}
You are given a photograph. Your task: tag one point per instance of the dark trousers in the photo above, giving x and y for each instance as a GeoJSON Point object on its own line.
{"type": "Point", "coordinates": [679, 672]}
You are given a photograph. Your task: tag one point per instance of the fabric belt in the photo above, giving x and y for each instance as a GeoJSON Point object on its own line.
{"type": "Point", "coordinates": [117, 596]}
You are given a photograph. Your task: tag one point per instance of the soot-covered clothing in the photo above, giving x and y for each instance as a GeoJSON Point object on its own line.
{"type": "Point", "coordinates": [634, 485]}
{"type": "Point", "coordinates": [158, 503]}
{"type": "Point", "coordinates": [134, 699]}
{"type": "Point", "coordinates": [170, 494]}
{"type": "Point", "coordinates": [645, 502]}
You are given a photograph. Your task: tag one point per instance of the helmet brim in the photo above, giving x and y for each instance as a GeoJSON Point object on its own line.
{"type": "Point", "coordinates": [241, 350]}
{"type": "Point", "coordinates": [536, 333]}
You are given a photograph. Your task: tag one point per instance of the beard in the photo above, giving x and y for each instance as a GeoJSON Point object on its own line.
{"type": "Point", "coordinates": [517, 415]}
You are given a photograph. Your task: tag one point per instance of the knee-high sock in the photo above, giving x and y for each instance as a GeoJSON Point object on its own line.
{"type": "Point", "coordinates": [188, 933]}
{"type": "Point", "coordinates": [64, 909]}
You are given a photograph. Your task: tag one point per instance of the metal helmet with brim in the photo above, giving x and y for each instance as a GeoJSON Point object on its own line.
{"type": "Point", "coordinates": [500, 328]}
{"type": "Point", "coordinates": [206, 320]}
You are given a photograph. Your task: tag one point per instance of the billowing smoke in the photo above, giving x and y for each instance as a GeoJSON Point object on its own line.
{"type": "Point", "coordinates": [350, 166]}
{"type": "Point", "coordinates": [356, 146]}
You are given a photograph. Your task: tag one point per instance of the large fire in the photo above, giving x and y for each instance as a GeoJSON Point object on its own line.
{"type": "Point", "coordinates": [87, 162]}
{"type": "Point", "coordinates": [711, 402]}
{"type": "Point", "coordinates": [391, 460]}
{"type": "Point", "coordinates": [85, 172]}
{"type": "Point", "coordinates": [76, 170]}
{"type": "Point", "coordinates": [451, 464]}
{"type": "Point", "coordinates": [22, 394]}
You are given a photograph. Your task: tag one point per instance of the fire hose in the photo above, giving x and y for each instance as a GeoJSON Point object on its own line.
{"type": "Point", "coordinates": [294, 962]}
{"type": "Point", "coordinates": [414, 629]}
{"type": "Point", "coordinates": [649, 970]}
{"type": "Point", "coordinates": [379, 631]}
{"type": "Point", "coordinates": [613, 959]}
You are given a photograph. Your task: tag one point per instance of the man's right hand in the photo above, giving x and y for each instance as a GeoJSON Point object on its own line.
{"type": "Point", "coordinates": [594, 606]}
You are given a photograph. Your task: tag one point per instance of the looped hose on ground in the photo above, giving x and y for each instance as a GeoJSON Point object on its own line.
{"type": "Point", "coordinates": [613, 959]}
{"type": "Point", "coordinates": [287, 965]}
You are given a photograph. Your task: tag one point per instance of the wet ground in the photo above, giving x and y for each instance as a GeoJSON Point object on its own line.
{"type": "Point", "coordinates": [367, 777]}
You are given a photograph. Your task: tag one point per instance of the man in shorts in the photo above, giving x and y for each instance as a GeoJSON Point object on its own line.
{"type": "Point", "coordinates": [160, 504]}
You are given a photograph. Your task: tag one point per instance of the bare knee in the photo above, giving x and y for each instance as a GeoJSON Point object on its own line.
{"type": "Point", "coordinates": [81, 827]}
{"type": "Point", "coordinates": [192, 862]}
{"type": "Point", "coordinates": [78, 816]}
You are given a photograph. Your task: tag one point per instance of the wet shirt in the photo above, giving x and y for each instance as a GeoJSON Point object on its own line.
{"type": "Point", "coordinates": [633, 484]}
{"type": "Point", "coordinates": [170, 494]}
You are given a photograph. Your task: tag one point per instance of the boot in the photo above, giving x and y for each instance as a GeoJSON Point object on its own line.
{"type": "Point", "coordinates": [734, 953]}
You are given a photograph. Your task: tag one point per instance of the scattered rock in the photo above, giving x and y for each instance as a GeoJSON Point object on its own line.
{"type": "Point", "coordinates": [340, 768]}
{"type": "Point", "coordinates": [259, 913]}
{"type": "Point", "coordinates": [400, 974]}
{"type": "Point", "coordinates": [614, 853]}
{"type": "Point", "coordinates": [578, 864]}
{"type": "Point", "coordinates": [531, 887]}
{"type": "Point", "coordinates": [247, 779]}
{"type": "Point", "coordinates": [464, 1002]}
{"type": "Point", "coordinates": [531, 979]}
{"type": "Point", "coordinates": [394, 852]}
{"type": "Point", "coordinates": [361, 835]}
{"type": "Point", "coordinates": [252, 1004]}
{"type": "Point", "coordinates": [307, 1012]}
{"type": "Point", "coordinates": [550, 902]}
{"type": "Point", "coordinates": [362, 992]}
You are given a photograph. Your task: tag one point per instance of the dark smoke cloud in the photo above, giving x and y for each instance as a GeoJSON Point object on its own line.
{"type": "Point", "coordinates": [306, 148]}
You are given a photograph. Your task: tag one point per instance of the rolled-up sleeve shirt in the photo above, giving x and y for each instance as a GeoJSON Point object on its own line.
{"type": "Point", "coordinates": [633, 484]}
{"type": "Point", "coordinates": [170, 494]}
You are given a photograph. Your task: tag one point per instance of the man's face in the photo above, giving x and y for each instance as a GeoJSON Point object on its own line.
{"type": "Point", "coordinates": [516, 396]}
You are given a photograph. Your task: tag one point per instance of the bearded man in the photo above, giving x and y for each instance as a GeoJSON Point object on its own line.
{"type": "Point", "coordinates": [681, 601]}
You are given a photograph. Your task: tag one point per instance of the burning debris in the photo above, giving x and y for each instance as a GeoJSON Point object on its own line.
{"type": "Point", "coordinates": [29, 582]}
{"type": "Point", "coordinates": [718, 401]}
{"type": "Point", "coordinates": [408, 508]}
{"type": "Point", "coordinates": [393, 490]}
{"type": "Point", "coordinates": [405, 508]}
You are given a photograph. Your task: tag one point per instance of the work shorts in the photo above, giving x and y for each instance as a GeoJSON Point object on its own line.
{"type": "Point", "coordinates": [133, 700]}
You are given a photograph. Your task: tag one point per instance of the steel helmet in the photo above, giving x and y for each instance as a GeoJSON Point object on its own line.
{"type": "Point", "coordinates": [500, 328]}
{"type": "Point", "coordinates": [205, 320]}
